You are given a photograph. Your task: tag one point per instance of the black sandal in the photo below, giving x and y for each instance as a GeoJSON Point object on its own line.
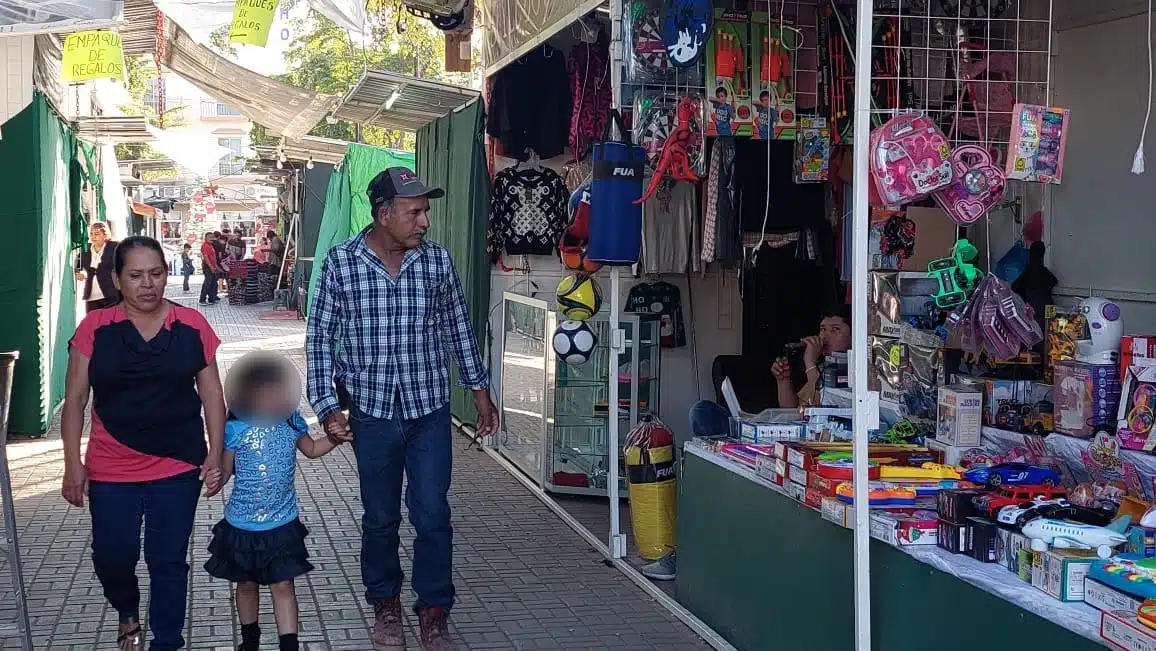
{"type": "Point", "coordinates": [134, 638]}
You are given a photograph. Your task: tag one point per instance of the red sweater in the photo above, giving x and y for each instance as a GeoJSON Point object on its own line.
{"type": "Point", "coordinates": [209, 255]}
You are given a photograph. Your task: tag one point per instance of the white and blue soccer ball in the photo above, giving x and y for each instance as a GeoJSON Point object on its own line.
{"type": "Point", "coordinates": [574, 342]}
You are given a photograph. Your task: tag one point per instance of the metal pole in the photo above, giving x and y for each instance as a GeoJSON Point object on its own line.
{"type": "Point", "coordinates": [617, 542]}
{"type": "Point", "coordinates": [862, 408]}
{"type": "Point", "coordinates": [9, 546]}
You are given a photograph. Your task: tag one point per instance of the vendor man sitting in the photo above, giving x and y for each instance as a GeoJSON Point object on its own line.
{"type": "Point", "coordinates": [711, 419]}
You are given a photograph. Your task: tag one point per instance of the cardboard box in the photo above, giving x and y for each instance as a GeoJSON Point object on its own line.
{"type": "Point", "coordinates": [1012, 393]}
{"type": "Point", "coordinates": [796, 491]}
{"type": "Point", "coordinates": [951, 536]}
{"type": "Point", "coordinates": [903, 530]}
{"type": "Point", "coordinates": [823, 485]}
{"type": "Point", "coordinates": [1107, 598]}
{"type": "Point", "coordinates": [1061, 572]}
{"type": "Point", "coordinates": [957, 504]}
{"type": "Point", "coordinates": [772, 40]}
{"type": "Point", "coordinates": [1024, 568]}
{"type": "Point", "coordinates": [982, 539]}
{"type": "Point", "coordinates": [813, 499]}
{"type": "Point", "coordinates": [1137, 350]}
{"type": "Point", "coordinates": [768, 433]}
{"type": "Point", "coordinates": [935, 235]}
{"type": "Point", "coordinates": [1086, 396]}
{"type": "Point", "coordinates": [1121, 628]}
{"type": "Point", "coordinates": [765, 468]}
{"type": "Point", "coordinates": [1008, 548]}
{"type": "Point", "coordinates": [837, 512]}
{"type": "Point", "coordinates": [797, 474]}
{"type": "Point", "coordinates": [959, 420]}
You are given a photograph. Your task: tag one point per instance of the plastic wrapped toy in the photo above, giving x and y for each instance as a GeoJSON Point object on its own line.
{"type": "Point", "coordinates": [995, 321]}
{"type": "Point", "coordinates": [977, 188]}
{"type": "Point", "coordinates": [956, 275]}
{"type": "Point", "coordinates": [1039, 135]}
{"type": "Point", "coordinates": [909, 159]}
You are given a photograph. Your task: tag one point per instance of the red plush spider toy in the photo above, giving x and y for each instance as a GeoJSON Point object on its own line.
{"type": "Point", "coordinates": [674, 155]}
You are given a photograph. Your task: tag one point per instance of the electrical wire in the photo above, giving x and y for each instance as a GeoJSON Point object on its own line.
{"type": "Point", "coordinates": [1138, 159]}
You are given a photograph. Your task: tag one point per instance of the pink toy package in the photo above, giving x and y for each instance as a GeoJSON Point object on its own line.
{"type": "Point", "coordinates": [909, 159]}
{"type": "Point", "coordinates": [977, 188]}
{"type": "Point", "coordinates": [1039, 135]}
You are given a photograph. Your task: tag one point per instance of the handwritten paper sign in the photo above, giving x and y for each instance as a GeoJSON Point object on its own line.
{"type": "Point", "coordinates": [95, 54]}
{"type": "Point", "coordinates": [252, 20]}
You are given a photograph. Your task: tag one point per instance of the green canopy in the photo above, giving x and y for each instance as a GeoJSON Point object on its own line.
{"type": "Point", "coordinates": [346, 204]}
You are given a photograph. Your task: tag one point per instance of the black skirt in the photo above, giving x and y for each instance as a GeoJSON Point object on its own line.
{"type": "Point", "coordinates": [261, 557]}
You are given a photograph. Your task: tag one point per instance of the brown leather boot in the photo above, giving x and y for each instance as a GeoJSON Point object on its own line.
{"type": "Point", "coordinates": [435, 630]}
{"type": "Point", "coordinates": [388, 625]}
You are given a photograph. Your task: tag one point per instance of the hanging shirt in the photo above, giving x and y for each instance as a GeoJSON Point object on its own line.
{"type": "Point", "coordinates": [528, 211]}
{"type": "Point", "coordinates": [668, 219]}
{"type": "Point", "coordinates": [589, 68]}
{"type": "Point", "coordinates": [663, 299]}
{"type": "Point", "coordinates": [530, 104]}
{"type": "Point", "coordinates": [265, 458]}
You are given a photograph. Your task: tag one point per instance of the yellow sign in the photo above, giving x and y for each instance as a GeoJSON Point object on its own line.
{"type": "Point", "coordinates": [252, 20]}
{"type": "Point", "coordinates": [95, 54]}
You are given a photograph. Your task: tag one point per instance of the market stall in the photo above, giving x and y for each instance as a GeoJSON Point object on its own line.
{"type": "Point", "coordinates": [916, 160]}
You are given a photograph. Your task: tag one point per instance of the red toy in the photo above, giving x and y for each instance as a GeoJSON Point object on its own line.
{"type": "Point", "coordinates": [675, 158]}
{"type": "Point", "coordinates": [991, 503]}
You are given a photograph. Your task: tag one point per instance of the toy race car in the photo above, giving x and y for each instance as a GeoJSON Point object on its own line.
{"type": "Point", "coordinates": [1015, 515]}
{"type": "Point", "coordinates": [993, 502]}
{"type": "Point", "coordinates": [1012, 473]}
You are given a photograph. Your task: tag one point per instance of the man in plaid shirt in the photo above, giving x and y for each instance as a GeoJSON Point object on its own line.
{"type": "Point", "coordinates": [386, 305]}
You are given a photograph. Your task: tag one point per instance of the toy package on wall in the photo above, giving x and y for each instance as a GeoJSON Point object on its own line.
{"type": "Point", "coordinates": [647, 61]}
{"type": "Point", "coordinates": [775, 99]}
{"type": "Point", "coordinates": [910, 159]}
{"type": "Point", "coordinates": [812, 150]}
{"type": "Point", "coordinates": [655, 118]}
{"type": "Point", "coordinates": [728, 65]}
{"type": "Point", "coordinates": [1039, 135]}
{"type": "Point", "coordinates": [1065, 326]}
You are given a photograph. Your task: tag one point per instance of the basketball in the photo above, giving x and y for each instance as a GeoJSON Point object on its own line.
{"type": "Point", "coordinates": [574, 342]}
{"type": "Point", "coordinates": [579, 298]}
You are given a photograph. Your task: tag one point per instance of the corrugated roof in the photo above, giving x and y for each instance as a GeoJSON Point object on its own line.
{"type": "Point", "coordinates": [113, 129]}
{"type": "Point", "coordinates": [283, 109]}
{"type": "Point", "coordinates": [138, 35]}
{"type": "Point", "coordinates": [418, 102]}
{"type": "Point", "coordinates": [54, 16]}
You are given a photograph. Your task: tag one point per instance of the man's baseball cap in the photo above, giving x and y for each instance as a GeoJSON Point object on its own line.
{"type": "Point", "coordinates": [399, 182]}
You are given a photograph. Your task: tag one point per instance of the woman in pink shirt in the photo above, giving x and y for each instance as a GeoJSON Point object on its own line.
{"type": "Point", "coordinates": [261, 253]}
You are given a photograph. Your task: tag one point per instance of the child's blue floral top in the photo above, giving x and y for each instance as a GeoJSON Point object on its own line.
{"type": "Point", "coordinates": [263, 496]}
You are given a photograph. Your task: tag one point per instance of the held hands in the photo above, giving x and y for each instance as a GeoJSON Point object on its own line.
{"type": "Point", "coordinates": [75, 484]}
{"type": "Point", "coordinates": [211, 474]}
{"type": "Point", "coordinates": [337, 428]}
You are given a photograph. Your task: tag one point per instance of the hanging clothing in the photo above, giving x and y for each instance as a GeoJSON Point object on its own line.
{"type": "Point", "coordinates": [668, 220]}
{"type": "Point", "coordinates": [528, 211]}
{"type": "Point", "coordinates": [589, 68]}
{"type": "Point", "coordinates": [663, 299]}
{"type": "Point", "coordinates": [530, 104]}
{"type": "Point", "coordinates": [719, 230]}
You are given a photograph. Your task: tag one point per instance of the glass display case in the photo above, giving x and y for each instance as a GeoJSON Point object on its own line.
{"type": "Point", "coordinates": [556, 416]}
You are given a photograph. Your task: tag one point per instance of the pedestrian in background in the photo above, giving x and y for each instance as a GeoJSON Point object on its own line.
{"type": "Point", "coordinates": [186, 266]}
{"type": "Point", "coordinates": [95, 268]}
{"type": "Point", "coordinates": [211, 269]}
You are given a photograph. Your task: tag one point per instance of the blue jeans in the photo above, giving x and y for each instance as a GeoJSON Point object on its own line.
{"type": "Point", "coordinates": [710, 419]}
{"type": "Point", "coordinates": [168, 508]}
{"type": "Point", "coordinates": [421, 449]}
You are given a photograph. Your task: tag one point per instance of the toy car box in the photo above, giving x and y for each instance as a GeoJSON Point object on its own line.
{"type": "Point", "coordinates": [959, 416]}
{"type": "Point", "coordinates": [1006, 401]}
{"type": "Point", "coordinates": [951, 536]}
{"type": "Point", "coordinates": [958, 504]}
{"type": "Point", "coordinates": [1008, 548]}
{"type": "Point", "coordinates": [1125, 632]}
{"type": "Point", "coordinates": [1061, 572]}
{"type": "Point", "coordinates": [904, 528]}
{"type": "Point", "coordinates": [1107, 598]}
{"type": "Point", "coordinates": [982, 537]}
{"type": "Point", "coordinates": [1086, 396]}
{"type": "Point", "coordinates": [837, 512]}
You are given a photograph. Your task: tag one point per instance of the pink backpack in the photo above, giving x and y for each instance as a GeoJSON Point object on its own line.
{"type": "Point", "coordinates": [910, 159]}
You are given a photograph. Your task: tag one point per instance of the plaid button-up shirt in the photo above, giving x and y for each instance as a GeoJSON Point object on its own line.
{"type": "Point", "coordinates": [383, 338]}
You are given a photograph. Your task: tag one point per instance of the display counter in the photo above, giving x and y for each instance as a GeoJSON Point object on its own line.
{"type": "Point", "coordinates": [767, 572]}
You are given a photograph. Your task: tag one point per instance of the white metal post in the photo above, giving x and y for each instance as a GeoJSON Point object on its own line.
{"type": "Point", "coordinates": [617, 542]}
{"type": "Point", "coordinates": [865, 413]}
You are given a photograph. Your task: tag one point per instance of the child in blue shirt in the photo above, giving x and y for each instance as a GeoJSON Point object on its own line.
{"type": "Point", "coordinates": [261, 541]}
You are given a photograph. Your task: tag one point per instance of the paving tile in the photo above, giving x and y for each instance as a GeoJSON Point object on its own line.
{"type": "Point", "coordinates": [525, 580]}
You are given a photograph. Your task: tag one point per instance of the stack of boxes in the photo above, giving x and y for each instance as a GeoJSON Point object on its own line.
{"type": "Point", "coordinates": [1087, 397]}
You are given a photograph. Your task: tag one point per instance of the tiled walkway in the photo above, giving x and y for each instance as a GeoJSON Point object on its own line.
{"type": "Point", "coordinates": [525, 580]}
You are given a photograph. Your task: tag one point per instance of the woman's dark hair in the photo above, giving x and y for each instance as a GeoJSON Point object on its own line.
{"type": "Point", "coordinates": [838, 310]}
{"type": "Point", "coordinates": [135, 242]}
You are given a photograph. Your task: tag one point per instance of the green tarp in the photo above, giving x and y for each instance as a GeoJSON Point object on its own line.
{"type": "Point", "coordinates": [37, 295]}
{"type": "Point", "coordinates": [346, 205]}
{"type": "Point", "coordinates": [451, 155]}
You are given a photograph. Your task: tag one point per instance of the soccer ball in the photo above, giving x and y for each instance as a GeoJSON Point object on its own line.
{"type": "Point", "coordinates": [579, 298]}
{"type": "Point", "coordinates": [574, 342]}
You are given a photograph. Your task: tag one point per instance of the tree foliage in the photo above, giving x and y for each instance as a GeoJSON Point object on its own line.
{"type": "Point", "coordinates": [324, 58]}
{"type": "Point", "coordinates": [140, 74]}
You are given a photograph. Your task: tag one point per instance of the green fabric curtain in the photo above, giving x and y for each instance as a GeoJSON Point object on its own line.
{"type": "Point", "coordinates": [37, 155]}
{"type": "Point", "coordinates": [346, 204]}
{"type": "Point", "coordinates": [451, 155]}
